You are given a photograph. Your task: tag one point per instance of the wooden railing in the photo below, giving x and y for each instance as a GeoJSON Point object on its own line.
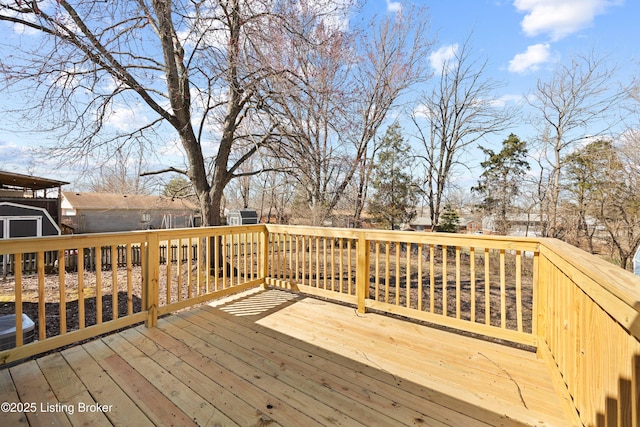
{"type": "Point", "coordinates": [478, 284]}
{"type": "Point", "coordinates": [589, 333]}
{"type": "Point", "coordinates": [580, 313]}
{"type": "Point", "coordinates": [153, 275]}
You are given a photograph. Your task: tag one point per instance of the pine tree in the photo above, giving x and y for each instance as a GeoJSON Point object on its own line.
{"type": "Point", "coordinates": [395, 190]}
{"type": "Point", "coordinates": [499, 184]}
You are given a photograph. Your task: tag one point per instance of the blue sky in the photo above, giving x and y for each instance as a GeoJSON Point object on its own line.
{"type": "Point", "coordinates": [521, 39]}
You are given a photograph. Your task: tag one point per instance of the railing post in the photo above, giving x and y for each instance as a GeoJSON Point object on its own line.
{"type": "Point", "coordinates": [362, 271]}
{"type": "Point", "coordinates": [151, 278]}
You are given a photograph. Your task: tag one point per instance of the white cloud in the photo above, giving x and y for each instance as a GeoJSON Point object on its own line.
{"type": "Point", "coordinates": [531, 59]}
{"type": "Point", "coordinates": [421, 111]}
{"type": "Point", "coordinates": [394, 6]}
{"type": "Point", "coordinates": [506, 99]}
{"type": "Point", "coordinates": [125, 118]}
{"type": "Point", "coordinates": [560, 18]}
{"type": "Point", "coordinates": [443, 57]}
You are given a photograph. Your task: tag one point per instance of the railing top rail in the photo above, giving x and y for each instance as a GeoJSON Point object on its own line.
{"type": "Point", "coordinates": [453, 239]}
{"type": "Point", "coordinates": [174, 233]}
{"type": "Point", "coordinates": [450, 239]}
{"type": "Point", "coordinates": [69, 241]}
{"type": "Point", "coordinates": [301, 230]}
{"type": "Point", "coordinates": [73, 241]}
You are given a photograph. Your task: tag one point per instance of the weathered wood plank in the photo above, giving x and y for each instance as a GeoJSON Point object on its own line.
{"type": "Point", "coordinates": [320, 411]}
{"type": "Point", "coordinates": [32, 387]}
{"type": "Point", "coordinates": [198, 353]}
{"type": "Point", "coordinates": [198, 373]}
{"type": "Point", "coordinates": [104, 389]}
{"type": "Point", "coordinates": [9, 395]}
{"type": "Point", "coordinates": [153, 403]}
{"type": "Point", "coordinates": [198, 409]}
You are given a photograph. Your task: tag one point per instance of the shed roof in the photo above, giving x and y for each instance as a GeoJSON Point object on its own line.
{"type": "Point", "coordinates": [13, 180]}
{"type": "Point", "coordinates": [125, 201]}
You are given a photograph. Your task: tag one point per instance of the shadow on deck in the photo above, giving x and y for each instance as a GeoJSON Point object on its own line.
{"type": "Point", "coordinates": [276, 358]}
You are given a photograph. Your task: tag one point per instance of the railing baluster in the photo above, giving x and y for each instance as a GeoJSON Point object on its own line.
{"type": "Point", "coordinates": [303, 253]}
{"type": "Point", "coordinates": [341, 269]}
{"type": "Point", "coordinates": [377, 270]}
{"type": "Point", "coordinates": [420, 287]}
{"type": "Point", "coordinates": [245, 256]}
{"type": "Point", "coordinates": [217, 246]}
{"type": "Point", "coordinates": [190, 268]}
{"type": "Point", "coordinates": [81, 288]}
{"type": "Point", "coordinates": [407, 275]}
{"type": "Point", "coordinates": [252, 256]}
{"type": "Point", "coordinates": [179, 260]}
{"type": "Point", "coordinates": [432, 278]}
{"type": "Point", "coordinates": [503, 291]}
{"type": "Point", "coordinates": [98, 291]}
{"type": "Point", "coordinates": [41, 301]}
{"type": "Point", "coordinates": [168, 272]}
{"type": "Point", "coordinates": [445, 302]}
{"type": "Point", "coordinates": [472, 281]}
{"type": "Point", "coordinates": [387, 274]}
{"type": "Point", "coordinates": [63, 299]}
{"type": "Point", "coordinates": [333, 265]}
{"type": "Point", "coordinates": [458, 295]}
{"type": "Point", "coordinates": [349, 266]}
{"type": "Point", "coordinates": [129, 279]}
{"type": "Point", "coordinates": [487, 289]}
{"type": "Point", "coordinates": [324, 262]}
{"type": "Point", "coordinates": [18, 295]}
{"type": "Point", "coordinates": [317, 266]}
{"type": "Point", "coordinates": [397, 273]}
{"type": "Point", "coordinates": [114, 281]}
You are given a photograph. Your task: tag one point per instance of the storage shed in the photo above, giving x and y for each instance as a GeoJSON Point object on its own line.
{"type": "Point", "coordinates": [18, 220]}
{"type": "Point", "coordinates": [242, 216]}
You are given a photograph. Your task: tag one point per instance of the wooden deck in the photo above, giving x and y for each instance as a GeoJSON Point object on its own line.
{"type": "Point", "coordinates": [274, 358]}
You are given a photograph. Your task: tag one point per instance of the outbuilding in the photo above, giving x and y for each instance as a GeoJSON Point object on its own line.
{"type": "Point", "coordinates": [17, 220]}
{"type": "Point", "coordinates": [242, 216]}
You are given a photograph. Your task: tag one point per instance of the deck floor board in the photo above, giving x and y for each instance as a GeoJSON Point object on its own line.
{"type": "Point", "coordinates": [274, 359]}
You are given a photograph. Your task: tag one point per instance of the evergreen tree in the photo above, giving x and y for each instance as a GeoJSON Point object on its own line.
{"type": "Point", "coordinates": [449, 220]}
{"type": "Point", "coordinates": [395, 190]}
{"type": "Point", "coordinates": [500, 182]}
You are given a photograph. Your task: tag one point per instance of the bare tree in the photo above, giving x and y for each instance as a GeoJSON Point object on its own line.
{"type": "Point", "coordinates": [458, 112]}
{"type": "Point", "coordinates": [605, 175]}
{"type": "Point", "coordinates": [578, 100]}
{"type": "Point", "coordinates": [193, 69]}
{"type": "Point", "coordinates": [339, 97]}
{"type": "Point", "coordinates": [121, 175]}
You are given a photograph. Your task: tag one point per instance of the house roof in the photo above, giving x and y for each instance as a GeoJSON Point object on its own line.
{"type": "Point", "coordinates": [13, 180]}
{"type": "Point", "coordinates": [125, 201]}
